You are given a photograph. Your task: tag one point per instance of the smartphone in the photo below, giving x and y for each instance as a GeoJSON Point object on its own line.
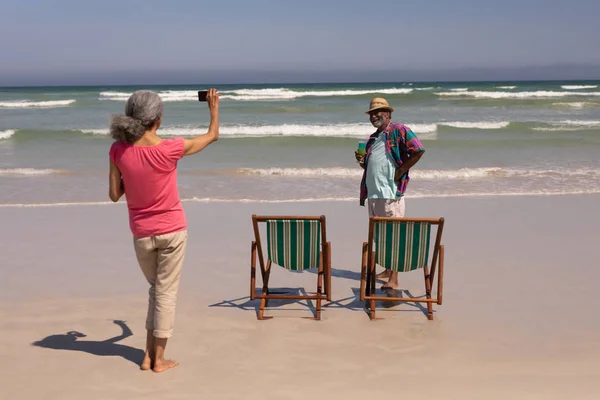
{"type": "Point", "coordinates": [202, 95]}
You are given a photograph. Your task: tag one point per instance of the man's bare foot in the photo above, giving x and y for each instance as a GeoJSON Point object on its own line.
{"type": "Point", "coordinates": [147, 363]}
{"type": "Point", "coordinates": [391, 284]}
{"type": "Point", "coordinates": [160, 366]}
{"type": "Point", "coordinates": [384, 275]}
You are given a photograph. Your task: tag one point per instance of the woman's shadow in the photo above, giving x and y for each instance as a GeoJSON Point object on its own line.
{"type": "Point", "coordinates": [108, 347]}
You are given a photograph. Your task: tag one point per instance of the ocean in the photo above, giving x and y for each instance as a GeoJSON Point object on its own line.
{"type": "Point", "coordinates": [296, 142]}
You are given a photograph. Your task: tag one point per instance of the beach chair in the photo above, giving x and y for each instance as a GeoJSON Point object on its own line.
{"type": "Point", "coordinates": [294, 243]}
{"type": "Point", "coordinates": [402, 245]}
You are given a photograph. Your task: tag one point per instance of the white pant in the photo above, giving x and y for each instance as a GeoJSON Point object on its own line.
{"type": "Point", "coordinates": [386, 207]}
{"type": "Point", "coordinates": [161, 259]}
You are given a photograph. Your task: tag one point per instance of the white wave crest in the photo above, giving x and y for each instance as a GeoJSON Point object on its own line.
{"type": "Point", "coordinates": [36, 104]}
{"type": "Point", "coordinates": [568, 125]}
{"type": "Point", "coordinates": [423, 128]}
{"type": "Point", "coordinates": [99, 131]}
{"type": "Point", "coordinates": [505, 87]}
{"type": "Point", "coordinates": [463, 173]}
{"type": "Point", "coordinates": [6, 134]}
{"type": "Point", "coordinates": [459, 89]}
{"type": "Point", "coordinates": [255, 94]}
{"type": "Point", "coordinates": [578, 87]}
{"type": "Point", "coordinates": [338, 130]}
{"type": "Point", "coordinates": [168, 96]}
{"type": "Point", "coordinates": [477, 125]}
{"type": "Point", "coordinates": [115, 94]}
{"type": "Point", "coordinates": [519, 95]}
{"type": "Point", "coordinates": [425, 131]}
{"type": "Point", "coordinates": [288, 94]}
{"type": "Point", "coordinates": [337, 172]}
{"type": "Point", "coordinates": [577, 104]}
{"type": "Point", "coordinates": [412, 195]}
{"type": "Point", "coordinates": [504, 194]}
{"type": "Point", "coordinates": [29, 171]}
{"type": "Point", "coordinates": [580, 122]}
{"type": "Point", "coordinates": [426, 175]}
{"type": "Point", "coordinates": [340, 172]}
{"type": "Point", "coordinates": [334, 130]}
{"type": "Point", "coordinates": [61, 204]}
{"type": "Point", "coordinates": [425, 88]}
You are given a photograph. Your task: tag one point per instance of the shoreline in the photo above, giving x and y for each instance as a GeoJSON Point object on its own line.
{"type": "Point", "coordinates": [469, 196]}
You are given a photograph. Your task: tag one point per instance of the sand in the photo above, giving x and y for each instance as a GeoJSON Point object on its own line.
{"type": "Point", "coordinates": [519, 319]}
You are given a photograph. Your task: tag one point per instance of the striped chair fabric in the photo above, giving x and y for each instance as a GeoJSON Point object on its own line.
{"type": "Point", "coordinates": [294, 244]}
{"type": "Point", "coordinates": [402, 246]}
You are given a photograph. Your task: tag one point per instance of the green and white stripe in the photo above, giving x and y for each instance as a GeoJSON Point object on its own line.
{"type": "Point", "coordinates": [402, 246]}
{"type": "Point", "coordinates": [294, 244]}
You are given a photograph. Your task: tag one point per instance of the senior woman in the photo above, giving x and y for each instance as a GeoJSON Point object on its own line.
{"type": "Point", "coordinates": [144, 167]}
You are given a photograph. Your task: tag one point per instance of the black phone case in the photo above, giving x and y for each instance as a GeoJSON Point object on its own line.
{"type": "Point", "coordinates": [202, 95]}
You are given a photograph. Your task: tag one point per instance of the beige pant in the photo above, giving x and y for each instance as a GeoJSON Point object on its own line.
{"type": "Point", "coordinates": [386, 207]}
{"type": "Point", "coordinates": [161, 258]}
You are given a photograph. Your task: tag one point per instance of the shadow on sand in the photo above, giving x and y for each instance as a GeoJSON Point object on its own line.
{"type": "Point", "coordinates": [244, 303]}
{"type": "Point", "coordinates": [109, 347]}
{"type": "Point", "coordinates": [352, 303]}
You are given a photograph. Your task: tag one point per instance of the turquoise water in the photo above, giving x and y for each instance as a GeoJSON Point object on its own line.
{"type": "Point", "coordinates": [296, 142]}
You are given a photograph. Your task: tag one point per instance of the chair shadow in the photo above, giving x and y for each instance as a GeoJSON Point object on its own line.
{"type": "Point", "coordinates": [340, 273]}
{"type": "Point", "coordinates": [353, 302]}
{"type": "Point", "coordinates": [108, 347]}
{"type": "Point", "coordinates": [244, 303]}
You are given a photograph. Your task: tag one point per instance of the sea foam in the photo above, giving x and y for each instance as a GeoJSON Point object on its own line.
{"type": "Point", "coordinates": [578, 87]}
{"type": "Point", "coordinates": [333, 130]}
{"type": "Point", "coordinates": [477, 125]}
{"type": "Point", "coordinates": [257, 94]}
{"type": "Point", "coordinates": [424, 175]}
{"type": "Point", "coordinates": [36, 104]}
{"type": "Point", "coordinates": [6, 134]}
{"type": "Point", "coordinates": [519, 95]}
{"type": "Point", "coordinates": [425, 130]}
{"type": "Point", "coordinates": [29, 171]}
{"type": "Point", "coordinates": [568, 125]}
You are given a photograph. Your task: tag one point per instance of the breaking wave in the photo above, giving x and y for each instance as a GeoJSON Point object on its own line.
{"type": "Point", "coordinates": [6, 134]}
{"type": "Point", "coordinates": [568, 125]}
{"type": "Point", "coordinates": [578, 87]}
{"type": "Point", "coordinates": [333, 130]}
{"type": "Point", "coordinates": [519, 95]}
{"type": "Point", "coordinates": [36, 104]}
{"type": "Point", "coordinates": [429, 175]}
{"type": "Point", "coordinates": [257, 94]}
{"type": "Point", "coordinates": [29, 171]}
{"type": "Point", "coordinates": [477, 125]}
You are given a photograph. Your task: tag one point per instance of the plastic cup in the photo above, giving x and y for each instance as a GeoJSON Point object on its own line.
{"type": "Point", "coordinates": [362, 148]}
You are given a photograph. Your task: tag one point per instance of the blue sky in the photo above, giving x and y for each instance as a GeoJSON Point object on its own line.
{"type": "Point", "coordinates": [58, 40]}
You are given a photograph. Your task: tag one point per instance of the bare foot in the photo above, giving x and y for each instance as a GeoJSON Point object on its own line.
{"type": "Point", "coordinates": [391, 284]}
{"type": "Point", "coordinates": [147, 363]}
{"type": "Point", "coordinates": [160, 366]}
{"type": "Point", "coordinates": [384, 275]}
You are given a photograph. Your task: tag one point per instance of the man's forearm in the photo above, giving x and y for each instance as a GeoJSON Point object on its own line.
{"type": "Point", "coordinates": [412, 160]}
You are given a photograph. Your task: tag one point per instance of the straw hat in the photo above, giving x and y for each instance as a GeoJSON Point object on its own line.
{"type": "Point", "coordinates": [379, 103]}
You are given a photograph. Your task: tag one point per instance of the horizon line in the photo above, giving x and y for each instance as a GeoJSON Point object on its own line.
{"type": "Point", "coordinates": [77, 85]}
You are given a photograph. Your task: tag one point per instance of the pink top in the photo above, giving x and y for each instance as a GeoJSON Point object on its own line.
{"type": "Point", "coordinates": [150, 179]}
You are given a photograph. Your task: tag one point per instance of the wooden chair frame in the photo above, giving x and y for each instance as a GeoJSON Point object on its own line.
{"type": "Point", "coordinates": [368, 276]}
{"type": "Point", "coordinates": [323, 275]}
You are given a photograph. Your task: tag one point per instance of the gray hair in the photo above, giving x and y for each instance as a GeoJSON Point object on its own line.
{"type": "Point", "coordinates": [143, 109]}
